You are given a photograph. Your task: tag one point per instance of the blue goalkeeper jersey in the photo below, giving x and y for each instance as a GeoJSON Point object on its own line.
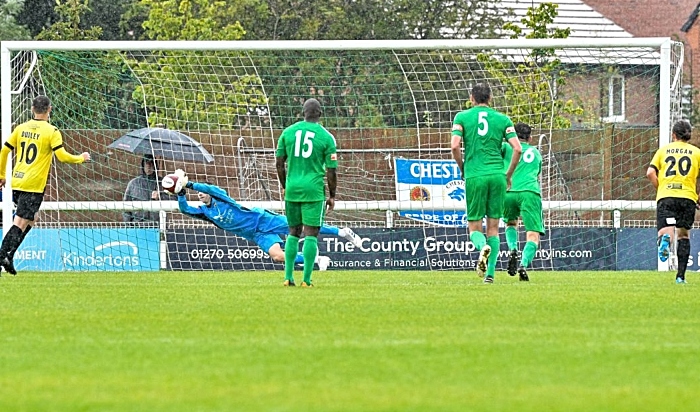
{"type": "Point", "coordinates": [227, 214]}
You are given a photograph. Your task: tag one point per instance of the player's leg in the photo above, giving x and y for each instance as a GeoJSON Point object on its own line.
{"type": "Point", "coordinates": [533, 220]}
{"type": "Point", "coordinates": [276, 252]}
{"type": "Point", "coordinates": [28, 205]}
{"type": "Point", "coordinates": [683, 253]}
{"type": "Point", "coordinates": [293, 211]}
{"type": "Point", "coordinates": [493, 243]}
{"type": "Point", "coordinates": [475, 194]}
{"type": "Point", "coordinates": [686, 217]}
{"type": "Point", "coordinates": [665, 225]}
{"type": "Point", "coordinates": [312, 217]}
{"type": "Point", "coordinates": [344, 232]}
{"type": "Point", "coordinates": [494, 213]}
{"type": "Point", "coordinates": [511, 212]}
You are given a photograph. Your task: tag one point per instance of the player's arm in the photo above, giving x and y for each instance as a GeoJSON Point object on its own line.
{"type": "Point", "coordinates": [332, 178]}
{"type": "Point", "coordinates": [696, 164]}
{"type": "Point", "coordinates": [331, 164]}
{"type": "Point", "coordinates": [456, 145]}
{"type": "Point", "coordinates": [281, 166]}
{"type": "Point", "coordinates": [281, 162]}
{"type": "Point", "coordinates": [514, 157]}
{"type": "Point", "coordinates": [61, 154]}
{"type": "Point", "coordinates": [185, 207]}
{"type": "Point", "coordinates": [653, 170]}
{"type": "Point", "coordinates": [212, 190]}
{"type": "Point", "coordinates": [64, 157]}
{"type": "Point", "coordinates": [7, 148]}
{"type": "Point", "coordinates": [653, 176]}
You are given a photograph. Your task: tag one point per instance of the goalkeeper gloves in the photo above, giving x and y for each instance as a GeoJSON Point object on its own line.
{"type": "Point", "coordinates": [181, 181]}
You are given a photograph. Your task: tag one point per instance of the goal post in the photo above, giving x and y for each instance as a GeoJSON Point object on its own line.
{"type": "Point", "coordinates": [599, 108]}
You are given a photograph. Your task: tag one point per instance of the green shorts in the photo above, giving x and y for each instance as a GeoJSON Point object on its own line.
{"type": "Point", "coordinates": [305, 213]}
{"type": "Point", "coordinates": [485, 196]}
{"type": "Point", "coordinates": [529, 206]}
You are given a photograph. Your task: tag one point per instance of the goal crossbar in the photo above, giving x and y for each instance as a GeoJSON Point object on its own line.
{"type": "Point", "coordinates": [243, 45]}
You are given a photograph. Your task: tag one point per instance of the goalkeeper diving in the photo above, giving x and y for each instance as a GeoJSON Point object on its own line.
{"type": "Point", "coordinates": [260, 226]}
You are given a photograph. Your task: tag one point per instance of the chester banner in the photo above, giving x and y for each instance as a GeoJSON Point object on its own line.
{"type": "Point", "coordinates": [432, 181]}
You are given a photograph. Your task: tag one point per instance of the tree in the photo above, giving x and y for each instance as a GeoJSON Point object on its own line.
{"type": "Point", "coordinates": [447, 18]}
{"type": "Point", "coordinates": [10, 29]}
{"type": "Point", "coordinates": [196, 90]}
{"type": "Point", "coordinates": [37, 15]}
{"type": "Point", "coordinates": [68, 26]}
{"type": "Point", "coordinates": [530, 86]}
{"type": "Point", "coordinates": [84, 86]}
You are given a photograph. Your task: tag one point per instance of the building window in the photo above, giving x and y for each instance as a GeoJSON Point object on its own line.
{"type": "Point", "coordinates": [613, 100]}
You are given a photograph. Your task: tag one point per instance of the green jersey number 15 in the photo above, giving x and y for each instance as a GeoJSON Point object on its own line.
{"type": "Point", "coordinates": [308, 144]}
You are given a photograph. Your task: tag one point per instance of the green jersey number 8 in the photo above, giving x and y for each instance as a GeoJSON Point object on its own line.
{"type": "Point", "coordinates": [483, 122]}
{"type": "Point", "coordinates": [307, 143]}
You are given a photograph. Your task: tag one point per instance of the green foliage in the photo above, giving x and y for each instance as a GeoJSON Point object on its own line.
{"type": "Point", "coordinates": [352, 85]}
{"type": "Point", "coordinates": [529, 86]}
{"type": "Point", "coordinates": [10, 29]}
{"type": "Point", "coordinates": [68, 27]}
{"type": "Point", "coordinates": [213, 96]}
{"type": "Point", "coordinates": [78, 83]}
{"type": "Point", "coordinates": [445, 19]}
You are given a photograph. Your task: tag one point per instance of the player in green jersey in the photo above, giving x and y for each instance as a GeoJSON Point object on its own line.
{"type": "Point", "coordinates": [481, 130]}
{"type": "Point", "coordinates": [523, 199]}
{"type": "Point", "coordinates": [306, 153]}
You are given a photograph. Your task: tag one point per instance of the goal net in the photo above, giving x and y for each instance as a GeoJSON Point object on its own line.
{"type": "Point", "coordinates": [599, 108]}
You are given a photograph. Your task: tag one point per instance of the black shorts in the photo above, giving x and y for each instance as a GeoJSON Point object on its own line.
{"type": "Point", "coordinates": [28, 203]}
{"type": "Point", "coordinates": [675, 211]}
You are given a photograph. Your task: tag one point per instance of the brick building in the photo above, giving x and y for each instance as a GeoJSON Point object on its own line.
{"type": "Point", "coordinates": [647, 18]}
{"type": "Point", "coordinates": [691, 30]}
{"type": "Point", "coordinates": [623, 96]}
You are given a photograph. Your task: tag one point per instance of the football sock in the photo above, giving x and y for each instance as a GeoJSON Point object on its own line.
{"type": "Point", "coordinates": [11, 241]}
{"type": "Point", "coordinates": [495, 243]}
{"type": "Point", "coordinates": [331, 230]}
{"type": "Point", "coordinates": [290, 254]}
{"type": "Point", "coordinates": [512, 237]}
{"type": "Point", "coordinates": [478, 239]}
{"type": "Point", "coordinates": [11, 253]}
{"type": "Point", "coordinates": [310, 251]}
{"type": "Point", "coordinates": [529, 253]}
{"type": "Point", "coordinates": [683, 254]}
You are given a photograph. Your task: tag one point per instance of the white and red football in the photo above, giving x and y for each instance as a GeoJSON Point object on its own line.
{"type": "Point", "coordinates": [169, 183]}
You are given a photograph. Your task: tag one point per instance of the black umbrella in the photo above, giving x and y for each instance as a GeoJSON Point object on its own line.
{"type": "Point", "coordinates": [166, 143]}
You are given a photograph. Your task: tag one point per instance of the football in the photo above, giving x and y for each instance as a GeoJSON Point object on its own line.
{"type": "Point", "coordinates": [169, 183]}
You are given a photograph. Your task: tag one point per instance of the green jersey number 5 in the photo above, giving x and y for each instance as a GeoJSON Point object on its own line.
{"type": "Point", "coordinates": [483, 122]}
{"type": "Point", "coordinates": [307, 143]}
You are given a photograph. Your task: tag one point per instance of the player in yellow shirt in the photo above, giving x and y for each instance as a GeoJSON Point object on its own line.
{"type": "Point", "coordinates": [674, 172]}
{"type": "Point", "coordinates": [35, 142]}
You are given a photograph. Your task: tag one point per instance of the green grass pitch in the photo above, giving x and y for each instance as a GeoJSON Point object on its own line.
{"type": "Point", "coordinates": [358, 341]}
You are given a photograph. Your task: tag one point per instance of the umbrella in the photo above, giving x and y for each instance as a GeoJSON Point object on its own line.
{"type": "Point", "coordinates": [166, 143]}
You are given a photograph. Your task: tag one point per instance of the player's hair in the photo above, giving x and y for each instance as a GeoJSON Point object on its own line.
{"type": "Point", "coordinates": [41, 104]}
{"type": "Point", "coordinates": [523, 130]}
{"type": "Point", "coordinates": [312, 109]}
{"type": "Point", "coordinates": [683, 130]}
{"type": "Point", "coordinates": [481, 92]}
